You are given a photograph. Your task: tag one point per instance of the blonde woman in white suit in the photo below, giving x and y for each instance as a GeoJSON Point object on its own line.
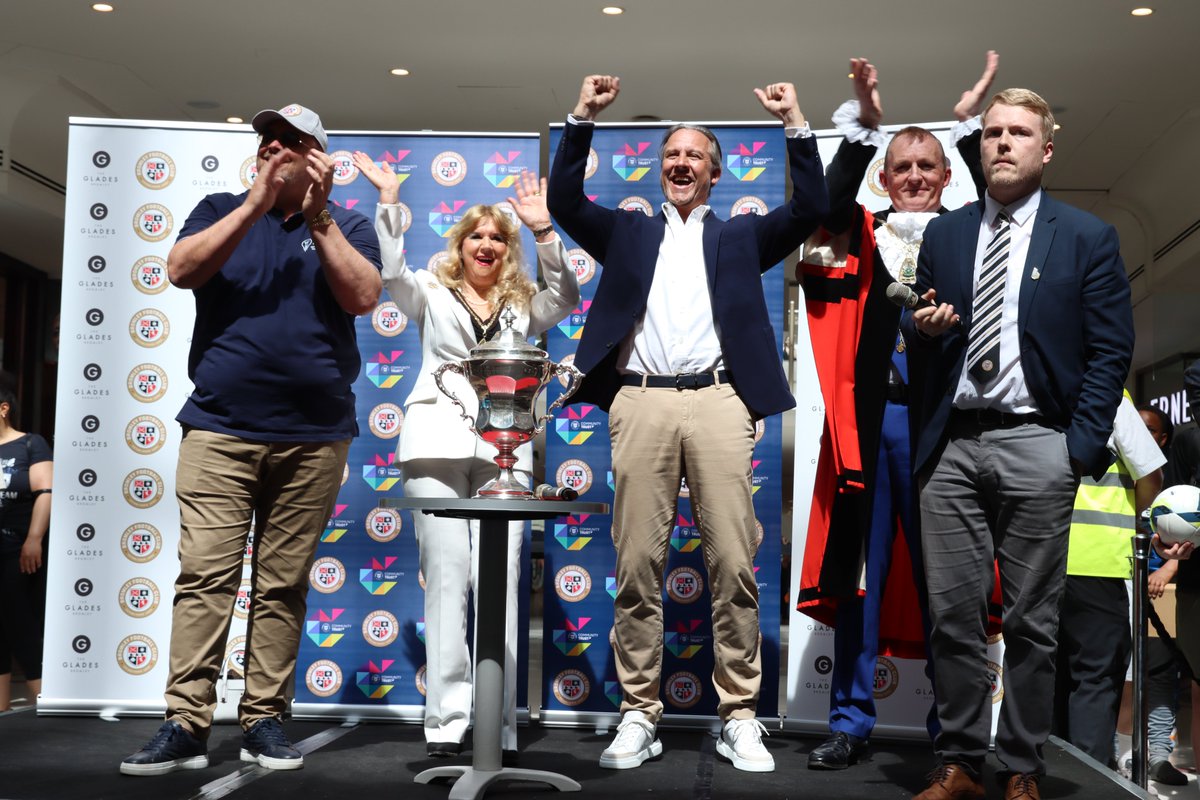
{"type": "Point", "coordinates": [456, 305]}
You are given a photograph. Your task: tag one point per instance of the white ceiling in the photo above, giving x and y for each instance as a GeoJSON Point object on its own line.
{"type": "Point", "coordinates": [1125, 89]}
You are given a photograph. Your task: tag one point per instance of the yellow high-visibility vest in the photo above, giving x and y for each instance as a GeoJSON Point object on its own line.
{"type": "Point", "coordinates": [1102, 525]}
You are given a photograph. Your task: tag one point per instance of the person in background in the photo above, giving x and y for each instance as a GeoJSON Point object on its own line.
{"type": "Point", "coordinates": [458, 304]}
{"type": "Point", "coordinates": [26, 476]}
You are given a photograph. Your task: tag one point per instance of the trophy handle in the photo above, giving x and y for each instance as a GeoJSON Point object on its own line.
{"type": "Point", "coordinates": [453, 366]}
{"type": "Point", "coordinates": [574, 377]}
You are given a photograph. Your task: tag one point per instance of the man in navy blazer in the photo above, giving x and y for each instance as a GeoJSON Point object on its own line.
{"type": "Point", "coordinates": [678, 348]}
{"type": "Point", "coordinates": [1022, 359]}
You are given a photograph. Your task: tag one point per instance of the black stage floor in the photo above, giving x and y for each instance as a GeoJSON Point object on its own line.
{"type": "Point", "coordinates": [76, 758]}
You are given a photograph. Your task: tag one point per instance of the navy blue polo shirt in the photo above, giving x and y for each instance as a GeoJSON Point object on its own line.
{"type": "Point", "coordinates": [273, 355]}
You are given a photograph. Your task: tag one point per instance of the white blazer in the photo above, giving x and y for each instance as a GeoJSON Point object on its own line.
{"type": "Point", "coordinates": [433, 427]}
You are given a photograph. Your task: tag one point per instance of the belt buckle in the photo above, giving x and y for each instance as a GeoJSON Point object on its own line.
{"type": "Point", "coordinates": [687, 380]}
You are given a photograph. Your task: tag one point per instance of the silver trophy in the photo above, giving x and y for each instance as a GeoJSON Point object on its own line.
{"type": "Point", "coordinates": [507, 375]}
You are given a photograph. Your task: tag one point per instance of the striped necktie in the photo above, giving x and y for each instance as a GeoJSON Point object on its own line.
{"type": "Point", "coordinates": [983, 348]}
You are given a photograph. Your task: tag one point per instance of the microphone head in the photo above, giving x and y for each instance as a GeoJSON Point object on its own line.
{"type": "Point", "coordinates": [902, 295]}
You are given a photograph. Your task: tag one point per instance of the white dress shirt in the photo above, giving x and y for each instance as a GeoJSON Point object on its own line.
{"type": "Point", "coordinates": [1007, 391]}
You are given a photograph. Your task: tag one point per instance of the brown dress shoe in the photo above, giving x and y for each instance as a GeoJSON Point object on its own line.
{"type": "Point", "coordinates": [1022, 787]}
{"type": "Point", "coordinates": [952, 782]}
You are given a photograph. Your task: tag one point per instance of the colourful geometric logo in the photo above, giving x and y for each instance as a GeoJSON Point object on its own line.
{"type": "Point", "coordinates": [377, 578]}
{"type": "Point", "coordinates": [335, 528]}
{"type": "Point", "coordinates": [421, 630]}
{"type": "Point", "coordinates": [572, 428]}
{"type": "Point", "coordinates": [744, 163]}
{"type": "Point", "coordinates": [612, 690]}
{"type": "Point", "coordinates": [323, 629]}
{"type": "Point", "coordinates": [756, 479]}
{"type": "Point", "coordinates": [681, 641]}
{"type": "Point", "coordinates": [684, 536]}
{"type": "Point", "coordinates": [374, 683]}
{"type": "Point", "coordinates": [383, 371]}
{"type": "Point", "coordinates": [571, 535]}
{"type": "Point", "coordinates": [383, 474]}
{"type": "Point", "coordinates": [572, 326]}
{"type": "Point", "coordinates": [402, 171]}
{"type": "Point", "coordinates": [610, 585]}
{"type": "Point", "coordinates": [572, 641]}
{"type": "Point", "coordinates": [500, 170]}
{"type": "Point", "coordinates": [444, 216]}
{"type": "Point", "coordinates": [630, 164]}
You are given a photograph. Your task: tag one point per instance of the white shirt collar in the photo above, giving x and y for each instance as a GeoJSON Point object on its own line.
{"type": "Point", "coordinates": [673, 217]}
{"type": "Point", "coordinates": [1019, 211]}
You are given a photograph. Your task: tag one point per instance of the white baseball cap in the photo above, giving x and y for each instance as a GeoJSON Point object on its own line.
{"type": "Point", "coordinates": [302, 119]}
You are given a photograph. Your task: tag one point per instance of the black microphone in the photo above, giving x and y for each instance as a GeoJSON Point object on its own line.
{"type": "Point", "coordinates": [545, 491]}
{"type": "Point", "coordinates": [902, 295]}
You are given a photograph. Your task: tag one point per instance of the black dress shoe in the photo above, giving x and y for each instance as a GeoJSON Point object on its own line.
{"type": "Point", "coordinates": [837, 752]}
{"type": "Point", "coordinates": [443, 749]}
{"type": "Point", "coordinates": [1164, 772]}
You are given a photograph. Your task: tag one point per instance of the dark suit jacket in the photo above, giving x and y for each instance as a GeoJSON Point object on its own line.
{"type": "Point", "coordinates": [1075, 325]}
{"type": "Point", "coordinates": [736, 253]}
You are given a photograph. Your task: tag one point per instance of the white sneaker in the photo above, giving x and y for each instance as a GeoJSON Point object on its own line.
{"type": "Point", "coordinates": [741, 743]}
{"type": "Point", "coordinates": [633, 744]}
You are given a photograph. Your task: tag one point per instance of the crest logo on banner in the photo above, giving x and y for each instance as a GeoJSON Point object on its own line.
{"type": "Point", "coordinates": [149, 275]}
{"type": "Point", "coordinates": [448, 168]}
{"type": "Point", "coordinates": [583, 264]}
{"type": "Point", "coordinates": [141, 542]}
{"type": "Point", "coordinates": [631, 162]}
{"type": "Point", "coordinates": [137, 654]}
{"type": "Point", "coordinates": [683, 690]}
{"type": "Point", "coordinates": [387, 319]}
{"type": "Point", "coordinates": [748, 205]}
{"type": "Point", "coordinates": [323, 678]}
{"type": "Point", "coordinates": [502, 170]}
{"type": "Point", "coordinates": [153, 222]}
{"type": "Point", "coordinates": [242, 601]}
{"type": "Point", "coordinates": [383, 524]}
{"type": "Point", "coordinates": [139, 597]}
{"type": "Point", "coordinates": [636, 203]}
{"type": "Point", "coordinates": [146, 383]}
{"type": "Point", "coordinates": [249, 171]}
{"type": "Point", "coordinates": [155, 170]}
{"type": "Point", "coordinates": [684, 585]}
{"type": "Point", "coordinates": [344, 171]}
{"type": "Point", "coordinates": [380, 628]}
{"type": "Point", "coordinates": [887, 678]}
{"type": "Point", "coordinates": [385, 420]}
{"type": "Point", "coordinates": [571, 687]}
{"type": "Point", "coordinates": [145, 434]}
{"type": "Point", "coordinates": [574, 474]}
{"type": "Point", "coordinates": [142, 488]}
{"type": "Point", "coordinates": [572, 583]}
{"type": "Point", "coordinates": [149, 327]}
{"type": "Point", "coordinates": [327, 575]}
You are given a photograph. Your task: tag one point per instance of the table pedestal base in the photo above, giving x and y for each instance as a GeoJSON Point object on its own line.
{"type": "Point", "coordinates": [472, 782]}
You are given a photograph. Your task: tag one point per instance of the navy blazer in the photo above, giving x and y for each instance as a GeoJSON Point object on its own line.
{"type": "Point", "coordinates": [1075, 325]}
{"type": "Point", "coordinates": [736, 253]}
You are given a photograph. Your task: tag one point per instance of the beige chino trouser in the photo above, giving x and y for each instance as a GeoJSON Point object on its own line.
{"type": "Point", "coordinates": [222, 483]}
{"type": "Point", "coordinates": [657, 433]}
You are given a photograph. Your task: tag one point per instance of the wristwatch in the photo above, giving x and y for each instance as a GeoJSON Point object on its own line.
{"type": "Point", "coordinates": [321, 220]}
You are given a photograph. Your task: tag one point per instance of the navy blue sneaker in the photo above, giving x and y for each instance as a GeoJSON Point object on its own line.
{"type": "Point", "coordinates": [267, 744]}
{"type": "Point", "coordinates": [171, 748]}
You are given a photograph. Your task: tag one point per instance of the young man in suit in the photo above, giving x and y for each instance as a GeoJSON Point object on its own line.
{"type": "Point", "coordinates": [1021, 388]}
{"type": "Point", "coordinates": [679, 350]}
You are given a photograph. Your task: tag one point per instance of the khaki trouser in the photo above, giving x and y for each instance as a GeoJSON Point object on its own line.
{"type": "Point", "coordinates": [654, 433]}
{"type": "Point", "coordinates": [222, 482]}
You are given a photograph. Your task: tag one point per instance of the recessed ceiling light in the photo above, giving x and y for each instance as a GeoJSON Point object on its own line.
{"type": "Point", "coordinates": [1142, 12]}
{"type": "Point", "coordinates": [612, 11]}
{"type": "Point", "coordinates": [102, 7]}
{"type": "Point", "coordinates": [234, 120]}
{"type": "Point", "coordinates": [1057, 126]}
{"type": "Point", "coordinates": [400, 71]}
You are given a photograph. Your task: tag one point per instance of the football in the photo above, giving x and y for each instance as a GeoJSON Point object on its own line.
{"type": "Point", "coordinates": [1175, 514]}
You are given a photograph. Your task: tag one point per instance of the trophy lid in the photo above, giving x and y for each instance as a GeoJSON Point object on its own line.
{"type": "Point", "coordinates": [508, 344]}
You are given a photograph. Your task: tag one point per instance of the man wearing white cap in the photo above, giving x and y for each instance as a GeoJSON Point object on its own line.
{"type": "Point", "coordinates": [279, 274]}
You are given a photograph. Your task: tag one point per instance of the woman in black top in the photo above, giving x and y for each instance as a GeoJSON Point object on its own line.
{"type": "Point", "coordinates": [26, 472]}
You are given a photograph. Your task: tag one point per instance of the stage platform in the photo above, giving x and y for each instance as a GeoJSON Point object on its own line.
{"type": "Point", "coordinates": [76, 758]}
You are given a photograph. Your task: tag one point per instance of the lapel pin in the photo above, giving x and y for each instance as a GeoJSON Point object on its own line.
{"type": "Point", "coordinates": [1035, 274]}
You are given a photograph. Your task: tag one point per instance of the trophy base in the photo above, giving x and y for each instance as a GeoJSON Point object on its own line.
{"type": "Point", "coordinates": [505, 486]}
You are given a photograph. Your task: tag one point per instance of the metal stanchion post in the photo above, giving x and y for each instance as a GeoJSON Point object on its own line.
{"type": "Point", "coordinates": [1141, 576]}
